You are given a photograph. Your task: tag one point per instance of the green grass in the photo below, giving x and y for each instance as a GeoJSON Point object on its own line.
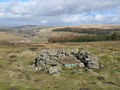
{"type": "Point", "coordinates": [18, 73]}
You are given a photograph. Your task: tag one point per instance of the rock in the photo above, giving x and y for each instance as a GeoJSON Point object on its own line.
{"type": "Point", "coordinates": [48, 59]}
{"type": "Point", "coordinates": [100, 78]}
{"type": "Point", "coordinates": [79, 71]}
{"type": "Point", "coordinates": [81, 65]}
{"type": "Point", "coordinates": [88, 59]}
{"type": "Point", "coordinates": [54, 69]}
{"type": "Point", "coordinates": [93, 65]}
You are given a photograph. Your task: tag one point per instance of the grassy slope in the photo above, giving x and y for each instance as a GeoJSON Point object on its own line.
{"type": "Point", "coordinates": [7, 36]}
{"type": "Point", "coordinates": [17, 72]}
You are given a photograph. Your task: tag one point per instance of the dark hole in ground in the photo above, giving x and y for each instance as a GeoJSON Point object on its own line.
{"type": "Point", "coordinates": [100, 78]}
{"type": "Point", "coordinates": [33, 49]}
{"type": "Point", "coordinates": [13, 56]}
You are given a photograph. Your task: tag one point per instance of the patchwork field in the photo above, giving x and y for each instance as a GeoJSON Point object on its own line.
{"type": "Point", "coordinates": [16, 71]}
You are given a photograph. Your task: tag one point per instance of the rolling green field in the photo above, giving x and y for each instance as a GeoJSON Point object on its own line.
{"type": "Point", "coordinates": [16, 71]}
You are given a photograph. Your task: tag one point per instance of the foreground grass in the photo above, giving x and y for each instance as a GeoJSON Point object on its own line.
{"type": "Point", "coordinates": [16, 72]}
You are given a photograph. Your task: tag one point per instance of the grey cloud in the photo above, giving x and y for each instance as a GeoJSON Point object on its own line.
{"type": "Point", "coordinates": [58, 11]}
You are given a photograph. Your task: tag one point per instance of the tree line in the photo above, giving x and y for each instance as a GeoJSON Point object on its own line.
{"type": "Point", "coordinates": [97, 31]}
{"type": "Point", "coordinates": [85, 38]}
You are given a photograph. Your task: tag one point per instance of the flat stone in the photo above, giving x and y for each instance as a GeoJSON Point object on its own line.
{"type": "Point", "coordinates": [81, 65]}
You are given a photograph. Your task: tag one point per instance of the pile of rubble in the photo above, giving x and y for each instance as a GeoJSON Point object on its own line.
{"type": "Point", "coordinates": [49, 59]}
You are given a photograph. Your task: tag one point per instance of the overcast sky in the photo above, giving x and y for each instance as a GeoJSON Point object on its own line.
{"type": "Point", "coordinates": [59, 12]}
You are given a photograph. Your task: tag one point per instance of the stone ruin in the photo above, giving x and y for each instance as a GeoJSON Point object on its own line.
{"type": "Point", "coordinates": [48, 59]}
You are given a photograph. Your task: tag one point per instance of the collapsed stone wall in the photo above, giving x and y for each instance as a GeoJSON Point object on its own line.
{"type": "Point", "coordinates": [48, 59]}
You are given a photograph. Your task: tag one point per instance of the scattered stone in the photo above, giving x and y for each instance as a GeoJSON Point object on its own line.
{"type": "Point", "coordinates": [53, 70]}
{"type": "Point", "coordinates": [78, 71]}
{"type": "Point", "coordinates": [93, 65]}
{"type": "Point", "coordinates": [100, 78]}
{"type": "Point", "coordinates": [88, 59]}
{"type": "Point", "coordinates": [49, 60]}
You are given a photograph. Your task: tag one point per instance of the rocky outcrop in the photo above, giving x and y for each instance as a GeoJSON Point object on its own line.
{"type": "Point", "coordinates": [48, 59]}
{"type": "Point", "coordinates": [89, 60]}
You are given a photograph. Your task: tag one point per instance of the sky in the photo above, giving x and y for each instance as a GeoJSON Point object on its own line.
{"type": "Point", "coordinates": [59, 12]}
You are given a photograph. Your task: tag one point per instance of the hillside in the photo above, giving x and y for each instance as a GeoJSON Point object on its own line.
{"type": "Point", "coordinates": [17, 72]}
{"type": "Point", "coordinates": [36, 33]}
{"type": "Point", "coordinates": [17, 60]}
{"type": "Point", "coordinates": [9, 34]}
{"type": "Point", "coordinates": [79, 30]}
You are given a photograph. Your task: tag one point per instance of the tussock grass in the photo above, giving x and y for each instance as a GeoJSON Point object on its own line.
{"type": "Point", "coordinates": [18, 73]}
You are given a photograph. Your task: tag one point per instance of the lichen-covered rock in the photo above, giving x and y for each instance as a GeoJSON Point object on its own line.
{"type": "Point", "coordinates": [54, 69]}
{"type": "Point", "coordinates": [48, 59]}
{"type": "Point", "coordinates": [81, 65]}
{"type": "Point", "coordinates": [88, 59]}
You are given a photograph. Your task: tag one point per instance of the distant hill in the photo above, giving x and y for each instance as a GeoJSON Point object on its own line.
{"type": "Point", "coordinates": [8, 33]}
{"type": "Point", "coordinates": [74, 29]}
{"type": "Point", "coordinates": [105, 26]}
{"type": "Point", "coordinates": [31, 27]}
{"type": "Point", "coordinates": [42, 33]}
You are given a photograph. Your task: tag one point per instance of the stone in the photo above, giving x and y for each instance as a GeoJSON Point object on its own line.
{"type": "Point", "coordinates": [93, 65]}
{"type": "Point", "coordinates": [81, 65]}
{"type": "Point", "coordinates": [48, 59]}
{"type": "Point", "coordinates": [79, 71]}
{"type": "Point", "coordinates": [88, 59]}
{"type": "Point", "coordinates": [54, 70]}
